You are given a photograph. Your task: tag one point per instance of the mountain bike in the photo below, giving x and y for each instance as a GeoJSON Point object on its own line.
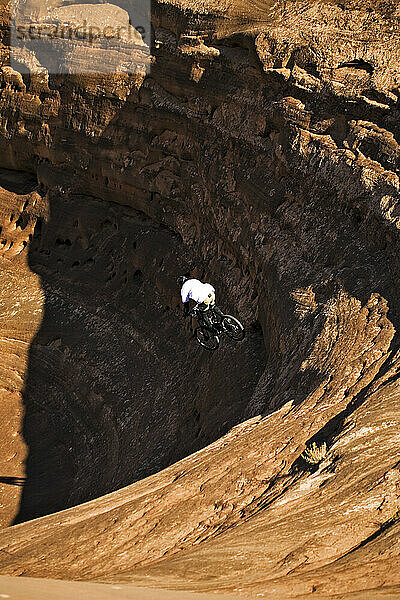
{"type": "Point", "coordinates": [208, 334]}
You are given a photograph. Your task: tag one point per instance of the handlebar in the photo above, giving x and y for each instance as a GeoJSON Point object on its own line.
{"type": "Point", "coordinates": [196, 309]}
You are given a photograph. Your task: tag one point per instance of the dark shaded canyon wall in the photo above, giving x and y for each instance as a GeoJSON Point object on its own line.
{"type": "Point", "coordinates": [114, 386]}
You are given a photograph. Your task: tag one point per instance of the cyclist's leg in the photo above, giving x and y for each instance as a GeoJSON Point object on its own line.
{"type": "Point", "coordinates": [205, 316]}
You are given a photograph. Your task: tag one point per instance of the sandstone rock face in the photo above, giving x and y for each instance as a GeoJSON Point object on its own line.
{"type": "Point", "coordinates": [261, 152]}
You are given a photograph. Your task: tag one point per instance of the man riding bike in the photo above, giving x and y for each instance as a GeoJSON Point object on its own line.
{"type": "Point", "coordinates": [211, 321]}
{"type": "Point", "coordinates": [203, 294]}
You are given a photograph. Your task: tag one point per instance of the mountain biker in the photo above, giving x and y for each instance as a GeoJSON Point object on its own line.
{"type": "Point", "coordinates": [201, 293]}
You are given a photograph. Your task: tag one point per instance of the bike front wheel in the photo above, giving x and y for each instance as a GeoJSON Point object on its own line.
{"type": "Point", "coordinates": [233, 328]}
{"type": "Point", "coordinates": [206, 338]}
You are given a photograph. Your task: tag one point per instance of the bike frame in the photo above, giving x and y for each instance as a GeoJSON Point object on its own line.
{"type": "Point", "coordinates": [198, 313]}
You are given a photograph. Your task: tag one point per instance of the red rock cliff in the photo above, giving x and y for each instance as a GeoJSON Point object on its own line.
{"type": "Point", "coordinates": [261, 151]}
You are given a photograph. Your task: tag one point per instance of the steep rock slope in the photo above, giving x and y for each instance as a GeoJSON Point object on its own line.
{"type": "Point", "coordinates": [262, 152]}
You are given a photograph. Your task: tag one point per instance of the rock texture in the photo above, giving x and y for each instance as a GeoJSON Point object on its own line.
{"type": "Point", "coordinates": [262, 153]}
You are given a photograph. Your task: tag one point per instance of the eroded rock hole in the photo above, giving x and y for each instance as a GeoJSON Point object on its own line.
{"type": "Point", "coordinates": [22, 221]}
{"type": "Point", "coordinates": [116, 387]}
{"type": "Point", "coordinates": [61, 242]}
{"type": "Point", "coordinates": [357, 63]}
{"type": "Point", "coordinates": [18, 182]}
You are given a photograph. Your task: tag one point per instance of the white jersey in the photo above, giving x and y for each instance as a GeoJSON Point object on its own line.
{"type": "Point", "coordinates": [197, 291]}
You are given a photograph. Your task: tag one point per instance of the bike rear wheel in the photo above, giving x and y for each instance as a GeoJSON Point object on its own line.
{"type": "Point", "coordinates": [206, 338]}
{"type": "Point", "coordinates": [233, 328]}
